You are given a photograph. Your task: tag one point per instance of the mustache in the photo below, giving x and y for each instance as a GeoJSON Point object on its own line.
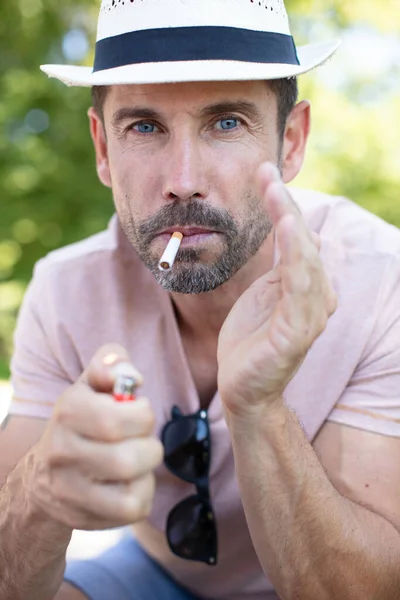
{"type": "Point", "coordinates": [193, 213]}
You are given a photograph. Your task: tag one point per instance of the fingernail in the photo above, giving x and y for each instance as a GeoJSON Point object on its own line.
{"type": "Point", "coordinates": [110, 359]}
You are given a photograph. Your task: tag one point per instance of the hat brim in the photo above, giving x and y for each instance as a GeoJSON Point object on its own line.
{"type": "Point", "coordinates": [310, 56]}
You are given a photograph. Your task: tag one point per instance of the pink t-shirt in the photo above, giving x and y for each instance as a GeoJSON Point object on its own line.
{"type": "Point", "coordinates": [97, 291]}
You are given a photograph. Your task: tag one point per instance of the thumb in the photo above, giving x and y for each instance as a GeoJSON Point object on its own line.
{"type": "Point", "coordinates": [109, 361]}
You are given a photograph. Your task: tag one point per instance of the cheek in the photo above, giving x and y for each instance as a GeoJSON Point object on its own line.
{"type": "Point", "coordinates": [235, 165]}
{"type": "Point", "coordinates": [134, 181]}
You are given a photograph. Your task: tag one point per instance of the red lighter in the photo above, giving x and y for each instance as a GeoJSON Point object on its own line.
{"type": "Point", "coordinates": [124, 388]}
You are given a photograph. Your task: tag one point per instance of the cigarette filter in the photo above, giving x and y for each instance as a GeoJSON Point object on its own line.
{"type": "Point", "coordinates": [168, 258]}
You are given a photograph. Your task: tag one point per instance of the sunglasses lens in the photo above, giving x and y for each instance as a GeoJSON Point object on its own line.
{"type": "Point", "coordinates": [186, 445]}
{"type": "Point", "coordinates": [191, 531]}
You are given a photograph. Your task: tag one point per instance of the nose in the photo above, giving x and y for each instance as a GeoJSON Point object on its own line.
{"type": "Point", "coordinates": [185, 171]}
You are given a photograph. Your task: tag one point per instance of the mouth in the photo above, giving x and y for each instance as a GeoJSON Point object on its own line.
{"type": "Point", "coordinates": [187, 231]}
{"type": "Point", "coordinates": [192, 236]}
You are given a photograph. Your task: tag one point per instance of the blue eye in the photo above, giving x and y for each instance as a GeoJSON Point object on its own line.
{"type": "Point", "coordinates": [145, 127]}
{"type": "Point", "coordinates": [227, 124]}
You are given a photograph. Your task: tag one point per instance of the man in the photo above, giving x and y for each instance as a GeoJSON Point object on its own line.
{"type": "Point", "coordinates": [275, 336]}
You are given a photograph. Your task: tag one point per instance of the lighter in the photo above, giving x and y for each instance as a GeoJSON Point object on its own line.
{"type": "Point", "coordinates": [124, 388]}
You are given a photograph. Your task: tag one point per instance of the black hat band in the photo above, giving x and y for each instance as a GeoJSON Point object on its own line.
{"type": "Point", "coordinates": [175, 44]}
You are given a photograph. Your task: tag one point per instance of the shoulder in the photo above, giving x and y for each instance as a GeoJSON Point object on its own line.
{"type": "Point", "coordinates": [360, 252]}
{"type": "Point", "coordinates": [96, 248]}
{"type": "Point", "coordinates": [93, 285]}
{"type": "Point", "coordinates": [358, 353]}
{"type": "Point", "coordinates": [95, 263]}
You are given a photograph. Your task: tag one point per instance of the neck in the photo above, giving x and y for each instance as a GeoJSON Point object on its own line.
{"type": "Point", "coordinates": [202, 316]}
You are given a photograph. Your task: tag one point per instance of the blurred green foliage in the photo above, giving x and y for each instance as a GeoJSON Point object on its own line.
{"type": "Point", "coordinates": [50, 195]}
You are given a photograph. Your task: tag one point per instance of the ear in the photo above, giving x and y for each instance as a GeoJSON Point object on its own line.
{"type": "Point", "coordinates": [295, 140]}
{"type": "Point", "coordinates": [100, 146]}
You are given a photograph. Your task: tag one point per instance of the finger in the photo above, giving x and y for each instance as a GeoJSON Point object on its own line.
{"type": "Point", "coordinates": [131, 502]}
{"type": "Point", "coordinates": [86, 505]}
{"type": "Point", "coordinates": [297, 273]}
{"type": "Point", "coordinates": [98, 417]}
{"type": "Point", "coordinates": [302, 269]}
{"type": "Point", "coordinates": [266, 173]}
{"type": "Point", "coordinates": [109, 361]}
{"type": "Point", "coordinates": [304, 283]}
{"type": "Point", "coordinates": [299, 258]}
{"type": "Point", "coordinates": [124, 461]}
{"type": "Point", "coordinates": [277, 197]}
{"type": "Point", "coordinates": [279, 202]}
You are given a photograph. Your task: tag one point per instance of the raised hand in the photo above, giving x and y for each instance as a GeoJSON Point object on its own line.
{"type": "Point", "coordinates": [270, 329]}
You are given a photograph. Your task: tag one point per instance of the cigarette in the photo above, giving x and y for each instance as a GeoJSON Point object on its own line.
{"type": "Point", "coordinates": [168, 258]}
{"type": "Point", "coordinates": [124, 388]}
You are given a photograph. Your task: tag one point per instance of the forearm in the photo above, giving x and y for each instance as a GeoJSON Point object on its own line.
{"type": "Point", "coordinates": [311, 542]}
{"type": "Point", "coordinates": [32, 546]}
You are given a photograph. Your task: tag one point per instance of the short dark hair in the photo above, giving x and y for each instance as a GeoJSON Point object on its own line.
{"type": "Point", "coordinates": [286, 91]}
{"type": "Point", "coordinates": [287, 94]}
{"type": "Point", "coordinates": [99, 94]}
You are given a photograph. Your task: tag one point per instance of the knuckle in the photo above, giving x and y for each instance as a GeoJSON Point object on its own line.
{"type": "Point", "coordinates": [158, 452]}
{"type": "Point", "coordinates": [131, 508]}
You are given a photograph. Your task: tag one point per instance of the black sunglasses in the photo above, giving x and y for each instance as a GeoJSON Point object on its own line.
{"type": "Point", "coordinates": [191, 525]}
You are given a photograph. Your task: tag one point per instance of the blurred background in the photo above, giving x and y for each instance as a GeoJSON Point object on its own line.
{"type": "Point", "coordinates": [49, 191]}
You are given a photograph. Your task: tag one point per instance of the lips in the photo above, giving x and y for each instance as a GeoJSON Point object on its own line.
{"type": "Point", "coordinates": [187, 231]}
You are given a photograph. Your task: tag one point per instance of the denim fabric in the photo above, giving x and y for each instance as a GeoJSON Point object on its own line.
{"type": "Point", "coordinates": [124, 572]}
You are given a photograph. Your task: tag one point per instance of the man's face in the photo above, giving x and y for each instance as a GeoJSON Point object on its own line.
{"type": "Point", "coordinates": [183, 157]}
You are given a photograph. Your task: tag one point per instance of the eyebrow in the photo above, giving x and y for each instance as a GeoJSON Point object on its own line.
{"type": "Point", "coordinates": [141, 112]}
{"type": "Point", "coordinates": [232, 106]}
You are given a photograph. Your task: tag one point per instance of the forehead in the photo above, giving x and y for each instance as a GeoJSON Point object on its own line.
{"type": "Point", "coordinates": [196, 94]}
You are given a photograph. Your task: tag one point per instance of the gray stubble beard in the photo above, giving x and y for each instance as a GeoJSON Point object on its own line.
{"type": "Point", "coordinates": [189, 275]}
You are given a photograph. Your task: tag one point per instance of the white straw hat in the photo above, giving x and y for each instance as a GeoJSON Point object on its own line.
{"type": "Point", "coordinates": [164, 41]}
